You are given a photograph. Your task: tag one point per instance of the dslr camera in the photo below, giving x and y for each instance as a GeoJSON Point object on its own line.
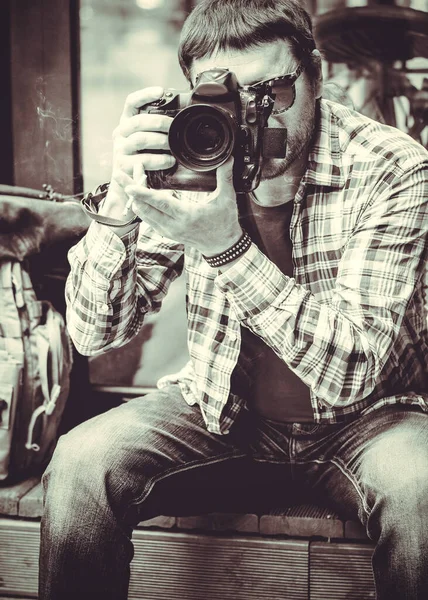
{"type": "Point", "coordinates": [216, 119]}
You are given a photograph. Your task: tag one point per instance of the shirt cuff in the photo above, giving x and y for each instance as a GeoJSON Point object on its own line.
{"type": "Point", "coordinates": [254, 284]}
{"type": "Point", "coordinates": [106, 250]}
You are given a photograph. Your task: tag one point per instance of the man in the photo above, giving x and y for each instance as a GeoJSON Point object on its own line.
{"type": "Point", "coordinates": [308, 342]}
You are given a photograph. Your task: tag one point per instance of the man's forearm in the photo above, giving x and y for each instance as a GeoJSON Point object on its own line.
{"type": "Point", "coordinates": [101, 290]}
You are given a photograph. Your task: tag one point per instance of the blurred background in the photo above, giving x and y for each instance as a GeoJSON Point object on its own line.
{"type": "Point", "coordinates": [128, 45]}
{"type": "Point", "coordinates": [125, 45]}
{"type": "Point", "coordinates": [71, 65]}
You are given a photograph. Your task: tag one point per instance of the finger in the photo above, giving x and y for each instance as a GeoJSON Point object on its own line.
{"type": "Point", "coordinates": [146, 140]}
{"type": "Point", "coordinates": [157, 219]}
{"type": "Point", "coordinates": [150, 162]}
{"type": "Point", "coordinates": [143, 122]}
{"type": "Point", "coordinates": [140, 98]}
{"type": "Point", "coordinates": [122, 178]}
{"type": "Point", "coordinates": [224, 174]}
{"type": "Point", "coordinates": [139, 174]}
{"type": "Point", "coordinates": [163, 201]}
{"type": "Point", "coordinates": [224, 178]}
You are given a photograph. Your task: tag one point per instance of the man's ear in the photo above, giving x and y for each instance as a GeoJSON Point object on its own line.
{"type": "Point", "coordinates": [318, 83]}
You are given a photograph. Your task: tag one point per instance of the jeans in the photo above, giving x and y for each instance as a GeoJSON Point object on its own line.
{"type": "Point", "coordinates": [153, 456]}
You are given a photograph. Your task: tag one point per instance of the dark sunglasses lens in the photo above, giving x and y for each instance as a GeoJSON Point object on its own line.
{"type": "Point", "coordinates": [284, 97]}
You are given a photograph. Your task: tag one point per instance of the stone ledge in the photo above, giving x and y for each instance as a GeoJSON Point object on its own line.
{"type": "Point", "coordinates": [24, 500]}
{"type": "Point", "coordinates": [305, 520]}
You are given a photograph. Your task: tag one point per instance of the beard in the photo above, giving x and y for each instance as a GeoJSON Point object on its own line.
{"type": "Point", "coordinates": [297, 145]}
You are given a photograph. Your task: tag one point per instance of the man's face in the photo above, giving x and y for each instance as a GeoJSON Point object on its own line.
{"type": "Point", "coordinates": [259, 64]}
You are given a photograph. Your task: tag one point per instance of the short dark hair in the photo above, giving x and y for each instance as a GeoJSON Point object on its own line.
{"type": "Point", "coordinates": [217, 25]}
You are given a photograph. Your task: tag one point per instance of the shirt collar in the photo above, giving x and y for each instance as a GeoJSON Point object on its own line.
{"type": "Point", "coordinates": [325, 157]}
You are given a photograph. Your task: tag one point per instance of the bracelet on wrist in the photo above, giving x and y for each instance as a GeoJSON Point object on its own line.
{"type": "Point", "coordinates": [232, 253]}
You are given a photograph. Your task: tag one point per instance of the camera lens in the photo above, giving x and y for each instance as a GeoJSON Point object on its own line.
{"type": "Point", "coordinates": [202, 137]}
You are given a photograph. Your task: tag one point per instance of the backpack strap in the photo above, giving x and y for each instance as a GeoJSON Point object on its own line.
{"type": "Point", "coordinates": [90, 204]}
{"type": "Point", "coordinates": [49, 344]}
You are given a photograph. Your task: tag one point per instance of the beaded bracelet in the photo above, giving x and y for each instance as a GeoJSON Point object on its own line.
{"type": "Point", "coordinates": [231, 253]}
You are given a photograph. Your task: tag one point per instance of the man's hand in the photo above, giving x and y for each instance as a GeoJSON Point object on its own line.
{"type": "Point", "coordinates": [133, 139]}
{"type": "Point", "coordinates": [211, 226]}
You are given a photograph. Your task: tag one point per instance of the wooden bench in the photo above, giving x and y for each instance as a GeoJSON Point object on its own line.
{"type": "Point", "coordinates": [303, 552]}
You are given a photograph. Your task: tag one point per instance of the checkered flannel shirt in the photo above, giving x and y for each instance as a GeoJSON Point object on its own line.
{"type": "Point", "coordinates": [352, 321]}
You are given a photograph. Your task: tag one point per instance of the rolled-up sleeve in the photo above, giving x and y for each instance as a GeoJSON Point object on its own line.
{"type": "Point", "coordinates": [340, 348]}
{"type": "Point", "coordinates": [114, 282]}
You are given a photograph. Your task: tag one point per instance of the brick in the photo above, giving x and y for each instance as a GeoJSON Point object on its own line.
{"type": "Point", "coordinates": [244, 523]}
{"type": "Point", "coordinates": [10, 495]}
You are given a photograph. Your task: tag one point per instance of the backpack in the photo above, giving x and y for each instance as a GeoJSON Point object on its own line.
{"type": "Point", "coordinates": [35, 364]}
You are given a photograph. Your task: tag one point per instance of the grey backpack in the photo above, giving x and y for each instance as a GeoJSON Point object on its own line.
{"type": "Point", "coordinates": [35, 364]}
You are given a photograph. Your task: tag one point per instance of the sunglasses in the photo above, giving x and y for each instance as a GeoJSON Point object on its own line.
{"type": "Point", "coordinates": [283, 89]}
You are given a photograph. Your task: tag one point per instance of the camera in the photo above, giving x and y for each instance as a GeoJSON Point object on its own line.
{"type": "Point", "coordinates": [216, 119]}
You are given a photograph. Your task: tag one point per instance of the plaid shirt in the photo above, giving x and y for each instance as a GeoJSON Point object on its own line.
{"type": "Point", "coordinates": [351, 323]}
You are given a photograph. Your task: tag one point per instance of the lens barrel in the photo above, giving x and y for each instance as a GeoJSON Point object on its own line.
{"type": "Point", "coordinates": [202, 137]}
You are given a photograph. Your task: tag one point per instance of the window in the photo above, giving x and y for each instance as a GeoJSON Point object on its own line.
{"type": "Point", "coordinates": [127, 45]}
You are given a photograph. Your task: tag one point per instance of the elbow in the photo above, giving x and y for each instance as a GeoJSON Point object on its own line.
{"type": "Point", "coordinates": [88, 350]}
{"type": "Point", "coordinates": [94, 338]}
{"type": "Point", "coordinates": [86, 346]}
{"type": "Point", "coordinates": [87, 336]}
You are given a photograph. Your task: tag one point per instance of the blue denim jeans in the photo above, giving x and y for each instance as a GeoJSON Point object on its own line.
{"type": "Point", "coordinates": [153, 455]}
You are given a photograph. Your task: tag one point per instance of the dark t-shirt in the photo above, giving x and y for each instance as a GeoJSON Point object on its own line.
{"type": "Point", "coordinates": [273, 390]}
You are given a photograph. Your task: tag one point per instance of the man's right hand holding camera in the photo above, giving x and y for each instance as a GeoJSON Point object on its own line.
{"type": "Point", "coordinates": [140, 140]}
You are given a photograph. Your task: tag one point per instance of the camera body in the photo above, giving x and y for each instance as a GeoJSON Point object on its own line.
{"type": "Point", "coordinates": [216, 119]}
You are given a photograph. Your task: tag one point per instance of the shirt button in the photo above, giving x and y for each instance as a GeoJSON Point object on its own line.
{"type": "Point", "coordinates": [233, 337]}
{"type": "Point", "coordinates": [103, 308]}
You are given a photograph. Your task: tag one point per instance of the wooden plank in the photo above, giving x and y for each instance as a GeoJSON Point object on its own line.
{"type": "Point", "coordinates": [245, 523]}
{"type": "Point", "coordinates": [305, 520]}
{"type": "Point", "coordinates": [127, 391]}
{"type": "Point", "coordinates": [162, 522]}
{"type": "Point", "coordinates": [6, 163]}
{"type": "Point", "coordinates": [10, 495]}
{"type": "Point", "coordinates": [19, 557]}
{"type": "Point", "coordinates": [31, 504]}
{"type": "Point", "coordinates": [172, 565]}
{"type": "Point", "coordinates": [27, 70]}
{"type": "Point", "coordinates": [44, 63]}
{"type": "Point", "coordinates": [341, 571]}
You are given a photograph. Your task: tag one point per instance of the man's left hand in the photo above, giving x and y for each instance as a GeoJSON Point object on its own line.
{"type": "Point", "coordinates": [211, 226]}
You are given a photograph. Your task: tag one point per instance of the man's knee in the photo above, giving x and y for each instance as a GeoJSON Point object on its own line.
{"type": "Point", "coordinates": [395, 470]}
{"type": "Point", "coordinates": [74, 466]}
{"type": "Point", "coordinates": [87, 464]}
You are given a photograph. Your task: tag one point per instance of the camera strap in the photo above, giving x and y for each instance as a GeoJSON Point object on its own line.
{"type": "Point", "coordinates": [90, 204]}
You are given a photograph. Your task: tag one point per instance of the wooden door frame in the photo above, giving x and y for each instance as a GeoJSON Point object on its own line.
{"type": "Point", "coordinates": [44, 54]}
